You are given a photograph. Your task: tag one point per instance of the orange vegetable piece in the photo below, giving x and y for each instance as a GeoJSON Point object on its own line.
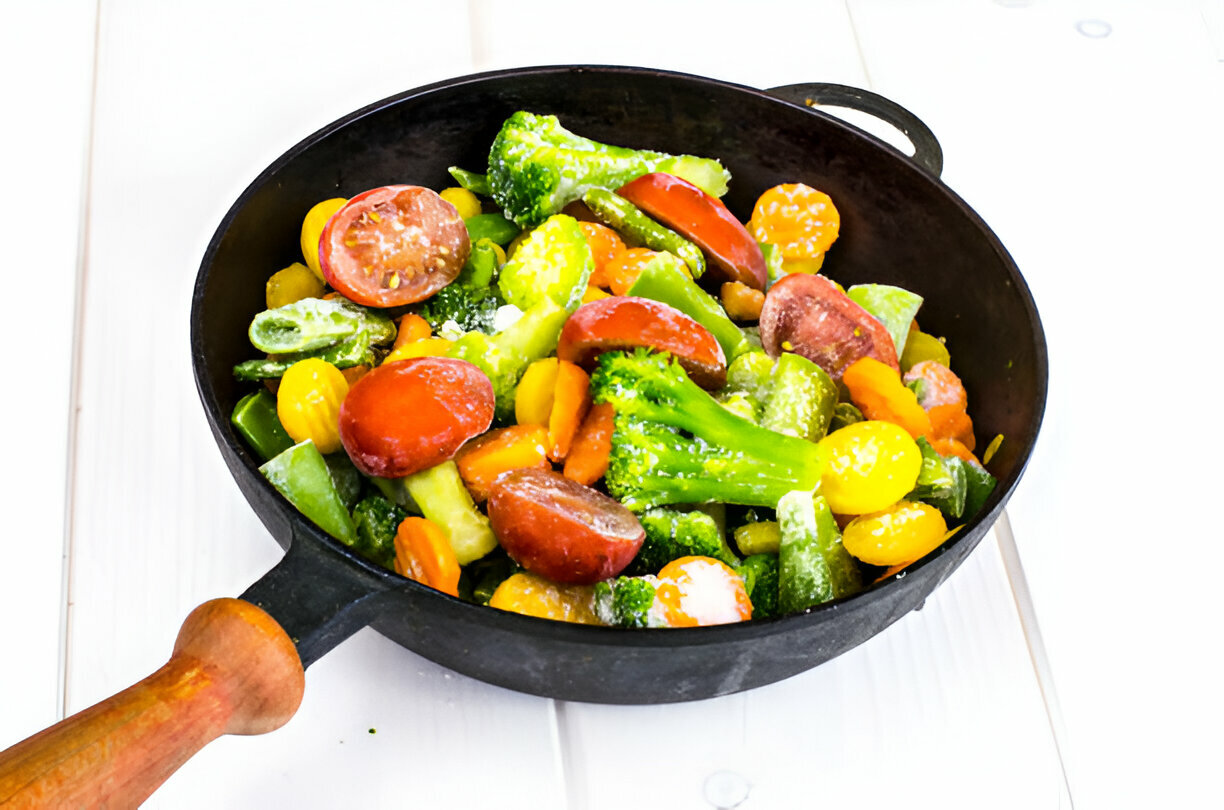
{"type": "Point", "coordinates": [605, 244]}
{"type": "Point", "coordinates": [571, 401]}
{"type": "Point", "coordinates": [698, 591]}
{"type": "Point", "coordinates": [625, 267]}
{"type": "Point", "coordinates": [533, 595]}
{"type": "Point", "coordinates": [877, 391]}
{"type": "Point", "coordinates": [800, 220]}
{"type": "Point", "coordinates": [354, 373]}
{"type": "Point", "coordinates": [952, 447]}
{"type": "Point", "coordinates": [485, 457]}
{"type": "Point", "coordinates": [951, 422]}
{"type": "Point", "coordinates": [593, 293]}
{"type": "Point", "coordinates": [943, 387]}
{"type": "Point", "coordinates": [742, 302]}
{"type": "Point", "coordinates": [533, 398]}
{"type": "Point", "coordinates": [423, 553]}
{"type": "Point", "coordinates": [588, 456]}
{"type": "Point", "coordinates": [411, 329]}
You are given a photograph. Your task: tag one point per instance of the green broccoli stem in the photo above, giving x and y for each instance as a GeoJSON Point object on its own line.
{"type": "Point", "coordinates": [637, 229]}
{"type": "Point", "coordinates": [662, 280]}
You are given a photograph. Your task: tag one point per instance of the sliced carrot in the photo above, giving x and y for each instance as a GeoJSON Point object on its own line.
{"type": "Point", "coordinates": [484, 458]}
{"type": "Point", "coordinates": [588, 456]}
{"type": "Point", "coordinates": [605, 243]}
{"type": "Point", "coordinates": [423, 553]}
{"type": "Point", "coordinates": [741, 301]}
{"type": "Point", "coordinates": [951, 422]}
{"type": "Point", "coordinates": [533, 398]}
{"type": "Point", "coordinates": [571, 401]}
{"type": "Point", "coordinates": [952, 447]}
{"type": "Point", "coordinates": [800, 220]}
{"type": "Point", "coordinates": [877, 391]}
{"type": "Point", "coordinates": [624, 268]}
{"type": "Point", "coordinates": [411, 328]}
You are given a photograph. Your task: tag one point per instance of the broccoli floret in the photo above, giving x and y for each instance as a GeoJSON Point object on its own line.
{"type": "Point", "coordinates": [470, 308]}
{"type": "Point", "coordinates": [673, 443]}
{"type": "Point", "coordinates": [627, 602]}
{"type": "Point", "coordinates": [377, 519]}
{"type": "Point", "coordinates": [672, 534]}
{"type": "Point", "coordinates": [537, 167]}
{"type": "Point", "coordinates": [760, 574]}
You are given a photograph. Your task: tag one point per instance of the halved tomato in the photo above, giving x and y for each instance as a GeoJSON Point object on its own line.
{"type": "Point", "coordinates": [393, 245]}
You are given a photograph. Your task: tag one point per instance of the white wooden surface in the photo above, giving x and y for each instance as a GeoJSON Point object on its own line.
{"type": "Point", "coordinates": [1085, 644]}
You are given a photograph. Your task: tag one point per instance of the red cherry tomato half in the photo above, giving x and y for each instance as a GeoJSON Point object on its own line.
{"type": "Point", "coordinates": [393, 245]}
{"type": "Point", "coordinates": [807, 314]}
{"type": "Point", "coordinates": [704, 221]}
{"type": "Point", "coordinates": [410, 415]}
{"type": "Point", "coordinates": [561, 530]}
{"type": "Point", "coordinates": [623, 322]}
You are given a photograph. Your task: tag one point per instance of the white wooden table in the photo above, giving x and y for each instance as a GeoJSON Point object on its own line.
{"type": "Point", "coordinates": [1076, 653]}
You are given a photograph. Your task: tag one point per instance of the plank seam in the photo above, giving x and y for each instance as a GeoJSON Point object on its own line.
{"type": "Point", "coordinates": [858, 46]}
{"type": "Point", "coordinates": [74, 389]}
{"type": "Point", "coordinates": [1018, 583]}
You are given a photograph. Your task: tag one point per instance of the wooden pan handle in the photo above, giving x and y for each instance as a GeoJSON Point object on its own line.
{"type": "Point", "coordinates": [233, 671]}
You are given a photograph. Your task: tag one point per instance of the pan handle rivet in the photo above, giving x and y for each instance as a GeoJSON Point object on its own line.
{"type": "Point", "coordinates": [726, 789]}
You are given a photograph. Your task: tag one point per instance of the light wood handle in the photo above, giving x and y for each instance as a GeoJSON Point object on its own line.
{"type": "Point", "coordinates": [233, 671]}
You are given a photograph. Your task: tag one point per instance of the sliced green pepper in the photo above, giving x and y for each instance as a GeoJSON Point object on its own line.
{"type": "Point", "coordinates": [638, 229]}
{"type": "Point", "coordinates": [892, 306]}
{"type": "Point", "coordinates": [301, 475]}
{"type": "Point", "coordinates": [256, 421]}
{"type": "Point", "coordinates": [494, 227]}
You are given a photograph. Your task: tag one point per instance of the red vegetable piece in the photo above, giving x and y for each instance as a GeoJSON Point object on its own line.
{"type": "Point", "coordinates": [561, 530]}
{"type": "Point", "coordinates": [704, 221]}
{"type": "Point", "coordinates": [625, 322]}
{"type": "Point", "coordinates": [393, 245]}
{"type": "Point", "coordinates": [807, 314]}
{"type": "Point", "coordinates": [410, 415]}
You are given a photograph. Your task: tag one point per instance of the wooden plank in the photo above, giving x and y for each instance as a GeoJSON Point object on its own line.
{"type": "Point", "coordinates": [47, 104]}
{"type": "Point", "coordinates": [192, 103]}
{"type": "Point", "coordinates": [1089, 137]}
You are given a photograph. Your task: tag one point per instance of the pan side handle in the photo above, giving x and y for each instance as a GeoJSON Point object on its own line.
{"type": "Point", "coordinates": [927, 152]}
{"type": "Point", "coordinates": [233, 671]}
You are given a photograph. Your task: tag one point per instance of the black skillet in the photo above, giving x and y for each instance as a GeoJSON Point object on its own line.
{"type": "Point", "coordinates": [900, 225]}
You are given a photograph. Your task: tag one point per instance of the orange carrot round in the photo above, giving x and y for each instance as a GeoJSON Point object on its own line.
{"type": "Point", "coordinates": [423, 553]}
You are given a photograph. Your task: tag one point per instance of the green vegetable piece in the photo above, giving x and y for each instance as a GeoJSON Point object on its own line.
{"type": "Point", "coordinates": [505, 356]}
{"type": "Point", "coordinates": [312, 323]}
{"type": "Point", "coordinates": [801, 398]}
{"type": "Point", "coordinates": [301, 475]}
{"type": "Point", "coordinates": [473, 182]}
{"type": "Point", "coordinates": [377, 520]}
{"type": "Point", "coordinates": [750, 373]}
{"type": "Point", "coordinates": [352, 352]}
{"type": "Point", "coordinates": [760, 574]}
{"type": "Point", "coordinates": [637, 229]}
{"type": "Point", "coordinates": [773, 263]}
{"type": "Point", "coordinates": [978, 486]}
{"type": "Point", "coordinates": [489, 572]}
{"type": "Point", "coordinates": [442, 497]}
{"type": "Point", "coordinates": [672, 534]}
{"type": "Point", "coordinates": [920, 346]}
{"type": "Point", "coordinates": [673, 443]}
{"type": "Point", "coordinates": [481, 267]}
{"type": "Point", "coordinates": [255, 419]}
{"type": "Point", "coordinates": [662, 279]}
{"type": "Point", "coordinates": [891, 306]}
{"type": "Point", "coordinates": [537, 167]}
{"type": "Point", "coordinates": [554, 261]}
{"type": "Point", "coordinates": [942, 482]}
{"type": "Point", "coordinates": [844, 413]}
{"type": "Point", "coordinates": [494, 227]}
{"type": "Point", "coordinates": [814, 566]}
{"type": "Point", "coordinates": [470, 307]}
{"type": "Point", "coordinates": [627, 602]}
{"type": "Point", "coordinates": [345, 477]}
{"type": "Point", "coordinates": [762, 537]}
{"type": "Point", "coordinates": [742, 405]}
{"type": "Point", "coordinates": [393, 490]}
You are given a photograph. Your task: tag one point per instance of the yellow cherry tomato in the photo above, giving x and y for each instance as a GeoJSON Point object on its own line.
{"type": "Point", "coordinates": [308, 403]}
{"type": "Point", "coordinates": [902, 533]}
{"type": "Point", "coordinates": [868, 467]}
{"type": "Point", "coordinates": [465, 202]}
{"type": "Point", "coordinates": [533, 595]}
{"type": "Point", "coordinates": [292, 284]}
{"type": "Point", "coordinates": [312, 230]}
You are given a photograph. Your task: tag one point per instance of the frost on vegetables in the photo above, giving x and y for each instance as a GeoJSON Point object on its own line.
{"type": "Point", "coordinates": [652, 415]}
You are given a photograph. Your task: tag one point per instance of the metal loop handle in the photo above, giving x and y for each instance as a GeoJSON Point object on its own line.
{"type": "Point", "coordinates": [927, 152]}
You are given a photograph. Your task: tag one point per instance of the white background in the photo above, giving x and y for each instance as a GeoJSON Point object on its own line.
{"type": "Point", "coordinates": [1081, 638]}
